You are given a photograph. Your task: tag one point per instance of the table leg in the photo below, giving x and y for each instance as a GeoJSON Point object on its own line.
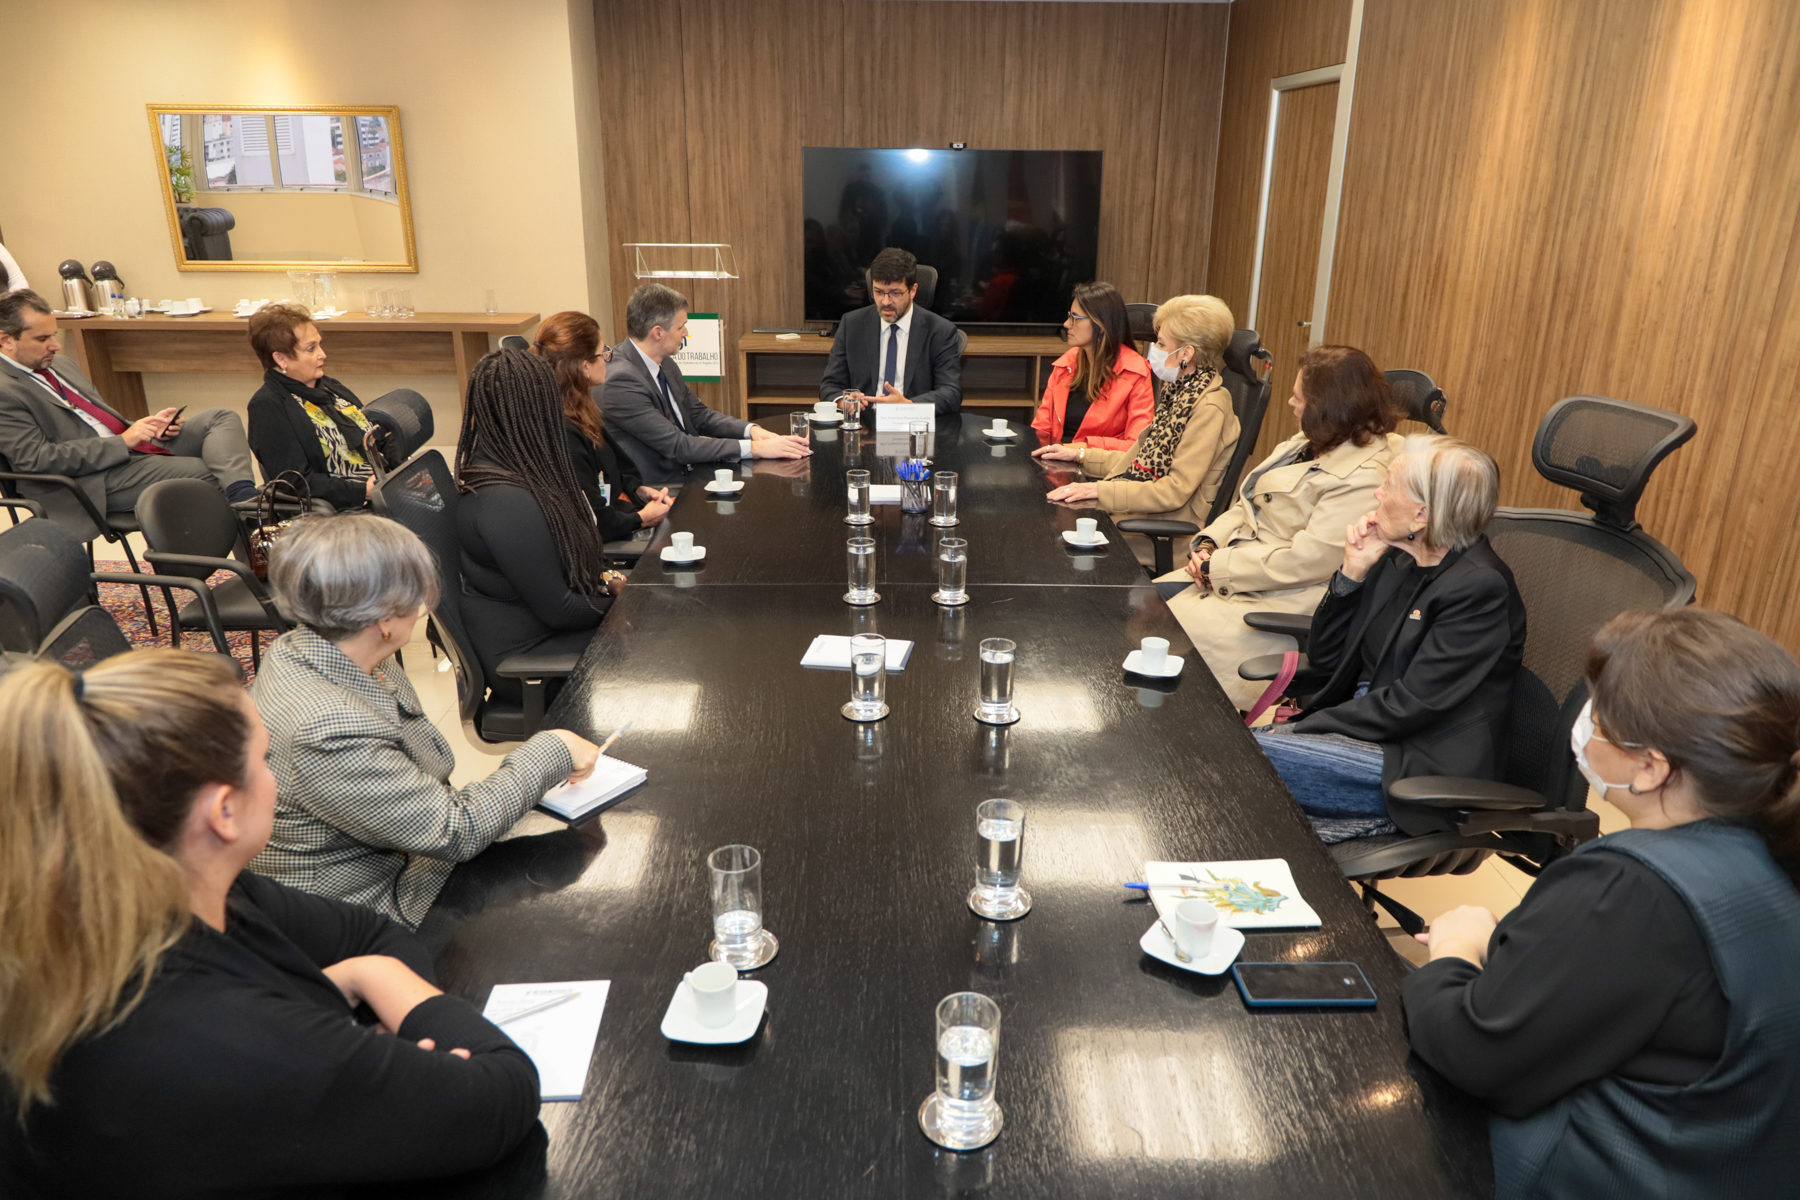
{"type": "Point", "coordinates": [470, 349]}
{"type": "Point", "coordinates": [124, 390]}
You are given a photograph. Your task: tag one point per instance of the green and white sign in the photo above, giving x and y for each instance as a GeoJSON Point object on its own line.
{"type": "Point", "coordinates": [703, 358]}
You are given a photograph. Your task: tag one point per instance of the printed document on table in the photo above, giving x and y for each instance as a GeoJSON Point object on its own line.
{"type": "Point", "coordinates": [558, 1039]}
{"type": "Point", "coordinates": [831, 652]}
{"type": "Point", "coordinates": [1250, 894]}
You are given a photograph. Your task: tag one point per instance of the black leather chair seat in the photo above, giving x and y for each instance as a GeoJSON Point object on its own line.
{"type": "Point", "coordinates": [238, 609]}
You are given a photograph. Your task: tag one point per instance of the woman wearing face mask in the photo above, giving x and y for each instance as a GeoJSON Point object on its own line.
{"type": "Point", "coordinates": [1412, 652]}
{"type": "Point", "coordinates": [1173, 469]}
{"type": "Point", "coordinates": [1634, 1024]}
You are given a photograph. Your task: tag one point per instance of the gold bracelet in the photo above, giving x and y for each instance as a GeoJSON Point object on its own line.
{"type": "Point", "coordinates": [1081, 454]}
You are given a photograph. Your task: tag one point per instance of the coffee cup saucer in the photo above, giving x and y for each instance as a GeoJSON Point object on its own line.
{"type": "Point", "coordinates": [1172, 663]}
{"type": "Point", "coordinates": [999, 434]}
{"type": "Point", "coordinates": [669, 555]}
{"type": "Point", "coordinates": [833, 419]}
{"type": "Point", "coordinates": [1226, 944]}
{"type": "Point", "coordinates": [730, 489]}
{"type": "Point", "coordinates": [1075, 539]}
{"type": "Point", "coordinates": [681, 1023]}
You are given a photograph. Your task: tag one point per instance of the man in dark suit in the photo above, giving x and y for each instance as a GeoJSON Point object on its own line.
{"type": "Point", "coordinates": [893, 352]}
{"type": "Point", "coordinates": [653, 413]}
{"type": "Point", "coordinates": [53, 422]}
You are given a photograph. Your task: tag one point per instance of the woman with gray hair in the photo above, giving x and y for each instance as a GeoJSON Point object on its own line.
{"type": "Point", "coordinates": [1412, 652]}
{"type": "Point", "coordinates": [365, 809]}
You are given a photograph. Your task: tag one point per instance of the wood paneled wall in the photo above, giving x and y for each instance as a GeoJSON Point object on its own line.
{"type": "Point", "coordinates": [707, 103]}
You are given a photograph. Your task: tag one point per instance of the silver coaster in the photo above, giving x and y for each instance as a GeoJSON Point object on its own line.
{"type": "Point", "coordinates": [957, 1135]}
{"type": "Point", "coordinates": [849, 710]}
{"type": "Point", "coordinates": [1015, 905]}
{"type": "Point", "coordinates": [873, 598]}
{"type": "Point", "coordinates": [947, 600]}
{"type": "Point", "coordinates": [1012, 715]}
{"type": "Point", "coordinates": [766, 947]}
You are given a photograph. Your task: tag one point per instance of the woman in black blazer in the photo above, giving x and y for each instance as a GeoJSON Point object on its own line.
{"type": "Point", "coordinates": [178, 1026]}
{"type": "Point", "coordinates": [622, 504]}
{"type": "Point", "coordinates": [301, 419]}
{"type": "Point", "coordinates": [1412, 652]}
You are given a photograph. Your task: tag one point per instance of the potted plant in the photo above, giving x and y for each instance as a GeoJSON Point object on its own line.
{"type": "Point", "coordinates": [181, 173]}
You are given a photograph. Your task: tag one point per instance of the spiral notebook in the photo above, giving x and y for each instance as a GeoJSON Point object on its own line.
{"type": "Point", "coordinates": [603, 789]}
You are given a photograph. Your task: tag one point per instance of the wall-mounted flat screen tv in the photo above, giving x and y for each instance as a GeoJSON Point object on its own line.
{"type": "Point", "coordinates": [1011, 232]}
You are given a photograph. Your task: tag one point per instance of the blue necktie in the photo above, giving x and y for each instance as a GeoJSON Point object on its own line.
{"type": "Point", "coordinates": [893, 354]}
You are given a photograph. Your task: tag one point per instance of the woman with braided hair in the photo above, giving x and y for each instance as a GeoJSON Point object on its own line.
{"type": "Point", "coordinates": [534, 567]}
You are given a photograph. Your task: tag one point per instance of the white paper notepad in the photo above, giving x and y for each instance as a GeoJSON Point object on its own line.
{"type": "Point", "coordinates": [884, 493]}
{"type": "Point", "coordinates": [559, 1039]}
{"type": "Point", "coordinates": [831, 652]}
{"type": "Point", "coordinates": [610, 780]}
{"type": "Point", "coordinates": [1251, 894]}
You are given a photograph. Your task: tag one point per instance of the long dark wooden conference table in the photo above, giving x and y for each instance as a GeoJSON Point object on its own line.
{"type": "Point", "coordinates": [1119, 1076]}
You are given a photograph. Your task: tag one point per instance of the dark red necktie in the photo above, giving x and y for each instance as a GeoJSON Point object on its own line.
{"type": "Point", "coordinates": [77, 400]}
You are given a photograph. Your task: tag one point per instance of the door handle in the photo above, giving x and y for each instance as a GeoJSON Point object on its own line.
{"type": "Point", "coordinates": [1304, 324]}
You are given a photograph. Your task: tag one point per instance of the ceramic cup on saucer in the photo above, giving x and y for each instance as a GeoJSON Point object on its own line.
{"type": "Point", "coordinates": [1195, 923]}
{"type": "Point", "coordinates": [825, 410]}
{"type": "Point", "coordinates": [998, 428]}
{"type": "Point", "coordinates": [714, 988]}
{"type": "Point", "coordinates": [1153, 654]}
{"type": "Point", "coordinates": [1087, 529]}
{"type": "Point", "coordinates": [682, 544]}
{"type": "Point", "coordinates": [723, 478]}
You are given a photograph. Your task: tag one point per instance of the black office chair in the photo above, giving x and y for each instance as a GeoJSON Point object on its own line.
{"type": "Point", "coordinates": [928, 280]}
{"type": "Point", "coordinates": [421, 495]}
{"type": "Point", "coordinates": [47, 608]}
{"type": "Point", "coordinates": [513, 341]}
{"type": "Point", "coordinates": [1143, 324]}
{"type": "Point", "coordinates": [1418, 398]}
{"type": "Point", "coordinates": [1575, 572]}
{"type": "Point", "coordinates": [114, 527]}
{"type": "Point", "coordinates": [1246, 377]}
{"type": "Point", "coordinates": [962, 343]}
{"type": "Point", "coordinates": [191, 531]}
{"type": "Point", "coordinates": [402, 425]}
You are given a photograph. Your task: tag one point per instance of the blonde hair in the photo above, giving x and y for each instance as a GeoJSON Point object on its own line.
{"type": "Point", "coordinates": [1458, 484]}
{"type": "Point", "coordinates": [1203, 322]}
{"type": "Point", "coordinates": [98, 773]}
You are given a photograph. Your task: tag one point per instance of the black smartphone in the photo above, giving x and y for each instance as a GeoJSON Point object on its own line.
{"type": "Point", "coordinates": [172, 420]}
{"type": "Point", "coordinates": [1303, 985]}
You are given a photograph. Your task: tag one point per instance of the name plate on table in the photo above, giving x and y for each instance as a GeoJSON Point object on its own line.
{"type": "Point", "coordinates": [899, 418]}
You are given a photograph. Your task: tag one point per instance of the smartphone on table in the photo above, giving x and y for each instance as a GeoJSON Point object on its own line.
{"type": "Point", "coordinates": [1303, 985]}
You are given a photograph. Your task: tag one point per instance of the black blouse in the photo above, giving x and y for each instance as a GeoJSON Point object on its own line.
{"type": "Point", "coordinates": [243, 1073]}
{"type": "Point", "coordinates": [1075, 411]}
{"type": "Point", "coordinates": [1601, 970]}
{"type": "Point", "coordinates": [606, 465]}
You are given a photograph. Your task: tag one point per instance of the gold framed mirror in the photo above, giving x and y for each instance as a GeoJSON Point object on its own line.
{"type": "Point", "coordinates": [268, 188]}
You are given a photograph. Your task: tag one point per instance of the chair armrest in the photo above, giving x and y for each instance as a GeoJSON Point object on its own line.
{"type": "Point", "coordinates": [537, 666]}
{"type": "Point", "coordinates": [208, 607]}
{"type": "Point", "coordinates": [1152, 527]}
{"type": "Point", "coordinates": [1266, 666]}
{"type": "Point", "coordinates": [30, 506]}
{"type": "Point", "coordinates": [240, 569]}
{"type": "Point", "coordinates": [1296, 625]}
{"type": "Point", "coordinates": [1451, 791]}
{"type": "Point", "coordinates": [61, 481]}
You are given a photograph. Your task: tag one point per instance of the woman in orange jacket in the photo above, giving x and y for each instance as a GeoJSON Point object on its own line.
{"type": "Point", "coordinates": [1099, 393]}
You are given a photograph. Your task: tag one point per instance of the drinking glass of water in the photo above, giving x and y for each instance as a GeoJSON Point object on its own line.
{"type": "Point", "coordinates": [798, 424]}
{"type": "Point", "coordinates": [962, 1114]}
{"type": "Point", "coordinates": [860, 553]}
{"type": "Point", "coordinates": [857, 484]}
{"type": "Point", "coordinates": [868, 678]}
{"type": "Point", "coordinates": [738, 934]}
{"type": "Point", "coordinates": [952, 571]}
{"type": "Point", "coordinates": [919, 441]}
{"type": "Point", "coordinates": [943, 498]}
{"type": "Point", "coordinates": [996, 707]}
{"type": "Point", "coordinates": [999, 849]}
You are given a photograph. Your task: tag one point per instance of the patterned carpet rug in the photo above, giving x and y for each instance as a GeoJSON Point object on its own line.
{"type": "Point", "coordinates": [126, 604]}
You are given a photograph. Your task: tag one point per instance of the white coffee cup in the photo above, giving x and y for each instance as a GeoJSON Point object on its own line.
{"type": "Point", "coordinates": [723, 477]}
{"type": "Point", "coordinates": [195, 304]}
{"type": "Point", "coordinates": [683, 544]}
{"type": "Point", "coordinates": [999, 425]}
{"type": "Point", "coordinates": [163, 305]}
{"type": "Point", "coordinates": [826, 409]}
{"type": "Point", "coordinates": [1194, 925]}
{"type": "Point", "coordinates": [714, 988]}
{"type": "Point", "coordinates": [1087, 529]}
{"type": "Point", "coordinates": [1153, 653]}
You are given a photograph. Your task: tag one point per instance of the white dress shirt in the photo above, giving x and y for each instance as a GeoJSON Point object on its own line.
{"type": "Point", "coordinates": [656, 380]}
{"type": "Point", "coordinates": [15, 278]}
{"type": "Point", "coordinates": [904, 325]}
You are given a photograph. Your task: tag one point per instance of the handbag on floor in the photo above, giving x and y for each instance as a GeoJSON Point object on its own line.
{"type": "Point", "coordinates": [289, 487]}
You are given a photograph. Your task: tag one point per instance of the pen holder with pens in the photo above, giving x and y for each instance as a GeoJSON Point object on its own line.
{"type": "Point", "coordinates": [915, 485]}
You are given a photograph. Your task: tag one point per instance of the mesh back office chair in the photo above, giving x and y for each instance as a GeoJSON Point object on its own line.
{"type": "Point", "coordinates": [1246, 377]}
{"type": "Point", "coordinates": [513, 341]}
{"type": "Point", "coordinates": [112, 526]}
{"type": "Point", "coordinates": [962, 343]}
{"type": "Point", "coordinates": [928, 281]}
{"type": "Point", "coordinates": [46, 602]}
{"type": "Point", "coordinates": [191, 532]}
{"type": "Point", "coordinates": [402, 425]}
{"type": "Point", "coordinates": [1418, 399]}
{"type": "Point", "coordinates": [421, 495]}
{"type": "Point", "coordinates": [1575, 572]}
{"type": "Point", "coordinates": [1143, 324]}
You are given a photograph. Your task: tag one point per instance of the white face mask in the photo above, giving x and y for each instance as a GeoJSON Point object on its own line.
{"type": "Point", "coordinates": [1580, 735]}
{"type": "Point", "coordinates": [1160, 365]}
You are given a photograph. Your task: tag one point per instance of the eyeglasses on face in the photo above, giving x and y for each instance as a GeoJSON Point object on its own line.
{"type": "Point", "coordinates": [1075, 316]}
{"type": "Point", "coordinates": [605, 355]}
{"type": "Point", "coordinates": [891, 293]}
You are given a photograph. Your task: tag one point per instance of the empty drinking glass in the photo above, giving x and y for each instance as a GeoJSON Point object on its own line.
{"type": "Point", "coordinates": [797, 424]}
{"type": "Point", "coordinates": [860, 551]}
{"type": "Point", "coordinates": [962, 1114]}
{"type": "Point", "coordinates": [738, 934]}
{"type": "Point", "coordinates": [857, 485]}
{"type": "Point", "coordinates": [493, 305]}
{"type": "Point", "coordinates": [943, 498]}
{"type": "Point", "coordinates": [952, 571]}
{"type": "Point", "coordinates": [999, 849]}
{"type": "Point", "coordinates": [868, 678]}
{"type": "Point", "coordinates": [996, 707]}
{"type": "Point", "coordinates": [403, 302]}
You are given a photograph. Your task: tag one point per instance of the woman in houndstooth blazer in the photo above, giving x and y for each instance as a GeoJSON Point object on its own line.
{"type": "Point", "coordinates": [366, 810]}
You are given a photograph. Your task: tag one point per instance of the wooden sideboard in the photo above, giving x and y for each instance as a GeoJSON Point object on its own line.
{"type": "Point", "coordinates": [115, 352]}
{"type": "Point", "coordinates": [998, 372]}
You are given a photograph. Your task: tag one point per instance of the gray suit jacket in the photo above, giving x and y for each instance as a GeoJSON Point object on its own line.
{"type": "Point", "coordinates": [933, 359]}
{"type": "Point", "coordinates": [643, 424]}
{"type": "Point", "coordinates": [42, 435]}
